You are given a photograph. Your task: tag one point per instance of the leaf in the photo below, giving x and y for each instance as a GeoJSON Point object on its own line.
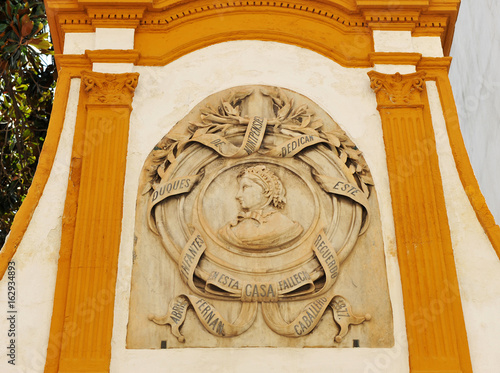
{"type": "Point", "coordinates": [40, 44]}
{"type": "Point", "coordinates": [283, 112]}
{"type": "Point", "coordinates": [26, 91]}
{"type": "Point", "coordinates": [8, 8]}
{"type": "Point", "coordinates": [316, 124]}
{"type": "Point", "coordinates": [229, 109]}
{"type": "Point", "coordinates": [238, 96]}
{"type": "Point", "coordinates": [146, 188]}
{"type": "Point", "coordinates": [305, 121]}
{"type": "Point", "coordinates": [353, 154]}
{"type": "Point", "coordinates": [367, 179]}
{"type": "Point", "coordinates": [332, 139]}
{"type": "Point", "coordinates": [27, 26]}
{"type": "Point", "coordinates": [278, 102]}
{"type": "Point", "coordinates": [343, 156]}
{"type": "Point", "coordinates": [10, 48]}
{"type": "Point", "coordinates": [301, 110]}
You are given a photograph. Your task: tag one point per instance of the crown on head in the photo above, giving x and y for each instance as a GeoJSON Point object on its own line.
{"type": "Point", "coordinates": [271, 183]}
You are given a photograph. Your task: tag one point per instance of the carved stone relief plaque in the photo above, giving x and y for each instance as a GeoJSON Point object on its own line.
{"type": "Point", "coordinates": [257, 225]}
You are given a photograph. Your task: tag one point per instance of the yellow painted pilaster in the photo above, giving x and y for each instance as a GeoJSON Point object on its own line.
{"type": "Point", "coordinates": [81, 340]}
{"type": "Point", "coordinates": [435, 326]}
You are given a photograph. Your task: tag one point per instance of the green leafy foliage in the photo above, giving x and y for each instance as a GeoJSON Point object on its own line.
{"type": "Point", "coordinates": [27, 83]}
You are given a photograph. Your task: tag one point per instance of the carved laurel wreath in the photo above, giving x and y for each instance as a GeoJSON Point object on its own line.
{"type": "Point", "coordinates": [291, 121]}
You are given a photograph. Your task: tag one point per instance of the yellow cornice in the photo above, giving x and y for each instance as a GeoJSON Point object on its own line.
{"type": "Point", "coordinates": [422, 17]}
{"type": "Point", "coordinates": [113, 56]}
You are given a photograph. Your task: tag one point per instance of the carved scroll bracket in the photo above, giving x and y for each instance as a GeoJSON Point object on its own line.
{"type": "Point", "coordinates": [109, 89]}
{"type": "Point", "coordinates": [396, 90]}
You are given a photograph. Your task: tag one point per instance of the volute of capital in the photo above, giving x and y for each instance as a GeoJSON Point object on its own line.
{"type": "Point", "coordinates": [109, 89]}
{"type": "Point", "coordinates": [396, 90]}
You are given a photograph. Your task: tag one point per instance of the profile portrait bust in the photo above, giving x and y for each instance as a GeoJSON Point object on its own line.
{"type": "Point", "coordinates": [260, 225]}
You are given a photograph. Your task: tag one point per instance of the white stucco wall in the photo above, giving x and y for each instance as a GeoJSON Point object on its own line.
{"type": "Point", "coordinates": [475, 77]}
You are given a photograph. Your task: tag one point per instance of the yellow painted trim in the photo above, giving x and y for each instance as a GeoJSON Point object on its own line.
{"type": "Point", "coordinates": [57, 330]}
{"type": "Point", "coordinates": [425, 253]}
{"type": "Point", "coordinates": [437, 70]}
{"type": "Point", "coordinates": [113, 56]}
{"type": "Point", "coordinates": [82, 318]}
{"type": "Point", "coordinates": [423, 17]}
{"type": "Point", "coordinates": [395, 58]}
{"type": "Point", "coordinates": [349, 46]}
{"type": "Point", "coordinates": [73, 64]}
{"type": "Point", "coordinates": [44, 168]}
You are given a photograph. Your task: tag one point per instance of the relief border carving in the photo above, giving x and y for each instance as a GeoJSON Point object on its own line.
{"type": "Point", "coordinates": [300, 133]}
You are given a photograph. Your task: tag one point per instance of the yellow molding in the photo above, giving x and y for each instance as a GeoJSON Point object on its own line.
{"type": "Point", "coordinates": [77, 27]}
{"type": "Point", "coordinates": [430, 17]}
{"type": "Point", "coordinates": [395, 58]}
{"type": "Point", "coordinates": [425, 31]}
{"type": "Point", "coordinates": [113, 56]}
{"type": "Point", "coordinates": [57, 330]}
{"type": "Point", "coordinates": [434, 63]}
{"type": "Point", "coordinates": [392, 26]}
{"type": "Point", "coordinates": [194, 9]}
{"type": "Point", "coordinates": [348, 6]}
{"type": "Point", "coordinates": [45, 163]}
{"type": "Point", "coordinates": [312, 32]}
{"type": "Point", "coordinates": [437, 70]}
{"type": "Point", "coordinates": [114, 24]}
{"type": "Point", "coordinates": [393, 4]}
{"type": "Point", "coordinates": [73, 63]}
{"type": "Point", "coordinates": [123, 13]}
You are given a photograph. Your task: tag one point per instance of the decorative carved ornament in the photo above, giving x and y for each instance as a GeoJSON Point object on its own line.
{"type": "Point", "coordinates": [258, 203]}
{"type": "Point", "coordinates": [110, 89]}
{"type": "Point", "coordinates": [397, 90]}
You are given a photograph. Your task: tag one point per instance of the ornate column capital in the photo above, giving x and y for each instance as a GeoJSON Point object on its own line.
{"type": "Point", "coordinates": [396, 90]}
{"type": "Point", "coordinates": [109, 89]}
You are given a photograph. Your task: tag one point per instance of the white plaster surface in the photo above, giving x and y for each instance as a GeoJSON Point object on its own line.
{"type": "Point", "coordinates": [112, 68]}
{"type": "Point", "coordinates": [402, 41]}
{"type": "Point", "coordinates": [478, 267]}
{"type": "Point", "coordinates": [102, 38]}
{"type": "Point", "coordinates": [78, 42]}
{"type": "Point", "coordinates": [428, 46]}
{"type": "Point", "coordinates": [392, 41]}
{"type": "Point", "coordinates": [114, 38]}
{"type": "Point", "coordinates": [475, 77]}
{"type": "Point", "coordinates": [165, 95]}
{"type": "Point", "coordinates": [393, 69]}
{"type": "Point", "coordinates": [36, 262]}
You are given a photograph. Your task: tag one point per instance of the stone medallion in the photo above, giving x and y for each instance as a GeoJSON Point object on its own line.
{"type": "Point", "coordinates": [258, 198]}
